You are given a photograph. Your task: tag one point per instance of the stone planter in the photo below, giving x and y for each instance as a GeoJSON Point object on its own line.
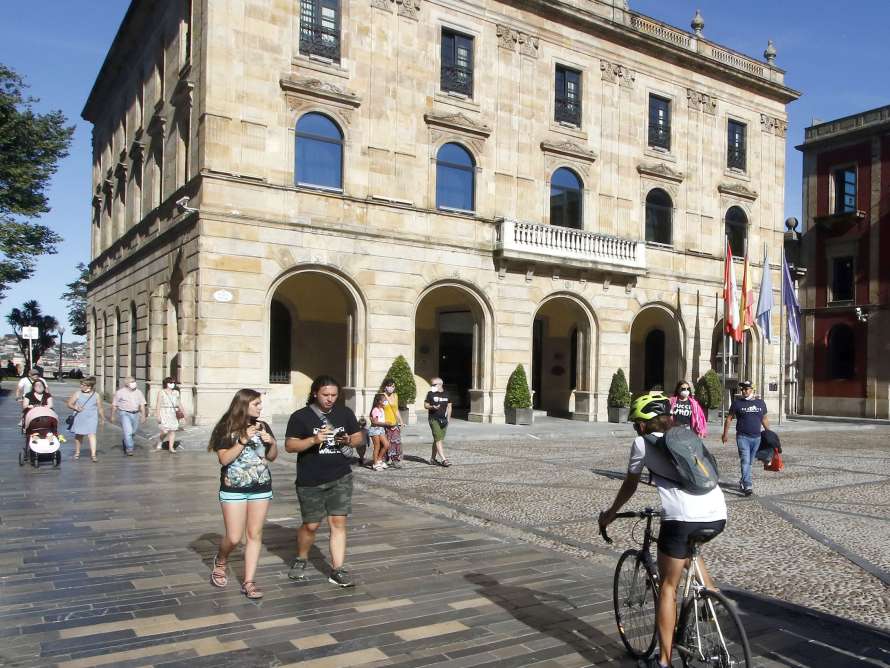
{"type": "Point", "coordinates": [408, 416]}
{"type": "Point", "coordinates": [519, 415]}
{"type": "Point", "coordinates": [618, 413]}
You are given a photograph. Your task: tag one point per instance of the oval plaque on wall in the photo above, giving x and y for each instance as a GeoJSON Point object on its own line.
{"type": "Point", "coordinates": [222, 296]}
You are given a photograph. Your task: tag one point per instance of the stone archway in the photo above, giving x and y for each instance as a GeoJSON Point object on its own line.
{"type": "Point", "coordinates": [563, 335]}
{"type": "Point", "coordinates": [657, 358]}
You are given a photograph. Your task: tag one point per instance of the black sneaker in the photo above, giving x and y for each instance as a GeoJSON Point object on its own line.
{"type": "Point", "coordinates": [341, 578]}
{"type": "Point", "coordinates": [298, 569]}
{"type": "Point", "coordinates": [748, 491]}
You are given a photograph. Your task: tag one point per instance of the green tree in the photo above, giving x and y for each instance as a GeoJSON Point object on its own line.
{"type": "Point", "coordinates": [30, 315]}
{"type": "Point", "coordinates": [709, 390]}
{"type": "Point", "coordinates": [619, 394]}
{"type": "Point", "coordinates": [406, 388]}
{"type": "Point", "coordinates": [76, 296]}
{"type": "Point", "coordinates": [518, 394]}
{"type": "Point", "coordinates": [31, 146]}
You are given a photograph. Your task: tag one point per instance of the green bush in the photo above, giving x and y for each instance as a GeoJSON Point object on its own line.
{"type": "Point", "coordinates": [518, 395]}
{"type": "Point", "coordinates": [406, 388]}
{"type": "Point", "coordinates": [709, 390]}
{"type": "Point", "coordinates": [619, 394]}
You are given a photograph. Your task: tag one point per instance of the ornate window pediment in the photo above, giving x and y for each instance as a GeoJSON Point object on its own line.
{"type": "Point", "coordinates": [568, 149]}
{"type": "Point", "coordinates": [459, 122]}
{"type": "Point", "coordinates": [737, 190]}
{"type": "Point", "coordinates": [659, 170]}
{"type": "Point", "coordinates": [320, 90]}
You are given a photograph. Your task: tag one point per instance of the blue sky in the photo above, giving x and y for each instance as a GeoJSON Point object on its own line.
{"type": "Point", "coordinates": [836, 57]}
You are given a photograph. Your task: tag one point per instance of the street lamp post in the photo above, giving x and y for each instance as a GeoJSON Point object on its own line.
{"type": "Point", "coordinates": [61, 331]}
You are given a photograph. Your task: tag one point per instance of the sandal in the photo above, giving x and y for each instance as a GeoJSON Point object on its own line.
{"type": "Point", "coordinates": [94, 458]}
{"type": "Point", "coordinates": [76, 455]}
{"type": "Point", "coordinates": [445, 463]}
{"type": "Point", "coordinates": [251, 591]}
{"type": "Point", "coordinates": [218, 577]}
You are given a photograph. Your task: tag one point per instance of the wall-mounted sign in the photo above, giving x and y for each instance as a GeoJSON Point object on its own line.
{"type": "Point", "coordinates": [32, 333]}
{"type": "Point", "coordinates": [223, 296]}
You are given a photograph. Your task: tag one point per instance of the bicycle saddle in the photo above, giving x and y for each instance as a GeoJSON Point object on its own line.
{"type": "Point", "coordinates": [700, 536]}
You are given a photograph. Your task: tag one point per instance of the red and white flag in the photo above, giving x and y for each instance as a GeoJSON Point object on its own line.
{"type": "Point", "coordinates": [731, 298]}
{"type": "Point", "coordinates": [746, 308]}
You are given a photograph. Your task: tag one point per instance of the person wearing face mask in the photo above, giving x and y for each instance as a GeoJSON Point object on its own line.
{"type": "Point", "coordinates": [129, 403]}
{"type": "Point", "coordinates": [438, 406]}
{"type": "Point", "coordinates": [393, 420]}
{"type": "Point", "coordinates": [750, 415]}
{"type": "Point", "coordinates": [169, 415]}
{"type": "Point", "coordinates": [686, 410]}
{"type": "Point", "coordinates": [319, 433]}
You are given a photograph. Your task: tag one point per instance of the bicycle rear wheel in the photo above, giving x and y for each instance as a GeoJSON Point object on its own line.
{"type": "Point", "coordinates": [635, 597]}
{"type": "Point", "coordinates": [711, 633]}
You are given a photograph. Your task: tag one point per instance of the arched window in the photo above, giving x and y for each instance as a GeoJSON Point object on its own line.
{"type": "Point", "coordinates": [736, 230]}
{"type": "Point", "coordinates": [841, 353]}
{"type": "Point", "coordinates": [455, 178]}
{"type": "Point", "coordinates": [565, 199]}
{"type": "Point", "coordinates": [659, 212]}
{"type": "Point", "coordinates": [319, 152]}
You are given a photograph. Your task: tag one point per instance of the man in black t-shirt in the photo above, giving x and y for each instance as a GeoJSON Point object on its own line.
{"type": "Point", "coordinates": [438, 407]}
{"type": "Point", "coordinates": [317, 433]}
{"type": "Point", "coordinates": [751, 419]}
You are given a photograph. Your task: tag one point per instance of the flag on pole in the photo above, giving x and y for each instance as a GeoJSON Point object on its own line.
{"type": "Point", "coordinates": [731, 298]}
{"type": "Point", "coordinates": [765, 300]}
{"type": "Point", "coordinates": [792, 306]}
{"type": "Point", "coordinates": [746, 305]}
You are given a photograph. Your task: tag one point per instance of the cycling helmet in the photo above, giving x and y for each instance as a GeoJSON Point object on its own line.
{"type": "Point", "coordinates": [648, 406]}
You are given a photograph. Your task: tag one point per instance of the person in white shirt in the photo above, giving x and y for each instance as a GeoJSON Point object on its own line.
{"type": "Point", "coordinates": [26, 384]}
{"type": "Point", "coordinates": [683, 512]}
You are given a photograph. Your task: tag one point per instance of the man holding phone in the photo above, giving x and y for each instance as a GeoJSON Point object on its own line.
{"type": "Point", "coordinates": [318, 433]}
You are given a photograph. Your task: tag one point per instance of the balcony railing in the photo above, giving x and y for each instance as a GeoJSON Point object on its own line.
{"type": "Point", "coordinates": [735, 157]}
{"type": "Point", "coordinates": [563, 245]}
{"type": "Point", "coordinates": [279, 376]}
{"type": "Point", "coordinates": [568, 110]}
{"type": "Point", "coordinates": [660, 135]}
{"type": "Point", "coordinates": [457, 79]}
{"type": "Point", "coordinates": [317, 40]}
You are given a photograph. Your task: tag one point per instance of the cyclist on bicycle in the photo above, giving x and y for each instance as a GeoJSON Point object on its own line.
{"type": "Point", "coordinates": [683, 512]}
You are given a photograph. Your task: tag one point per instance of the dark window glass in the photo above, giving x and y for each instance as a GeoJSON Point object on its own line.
{"type": "Point", "coordinates": [568, 96]}
{"type": "Point", "coordinates": [320, 28]}
{"type": "Point", "coordinates": [841, 353]}
{"type": "Point", "coordinates": [457, 63]}
{"type": "Point", "coordinates": [659, 211]}
{"type": "Point", "coordinates": [565, 199]}
{"type": "Point", "coordinates": [736, 230]}
{"type": "Point", "coordinates": [659, 122]}
{"type": "Point", "coordinates": [842, 279]}
{"type": "Point", "coordinates": [455, 178]}
{"type": "Point", "coordinates": [319, 152]}
{"type": "Point", "coordinates": [736, 146]}
{"type": "Point", "coordinates": [844, 190]}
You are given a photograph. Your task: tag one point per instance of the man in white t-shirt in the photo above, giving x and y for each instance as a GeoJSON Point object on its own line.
{"type": "Point", "coordinates": [27, 383]}
{"type": "Point", "coordinates": [683, 512]}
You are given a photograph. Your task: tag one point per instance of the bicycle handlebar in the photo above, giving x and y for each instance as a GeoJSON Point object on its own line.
{"type": "Point", "coordinates": [641, 514]}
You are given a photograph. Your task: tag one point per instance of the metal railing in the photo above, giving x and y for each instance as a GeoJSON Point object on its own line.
{"type": "Point", "coordinates": [457, 79]}
{"type": "Point", "coordinates": [660, 135]}
{"type": "Point", "coordinates": [568, 110]}
{"type": "Point", "coordinates": [316, 40]}
{"type": "Point", "coordinates": [279, 377]}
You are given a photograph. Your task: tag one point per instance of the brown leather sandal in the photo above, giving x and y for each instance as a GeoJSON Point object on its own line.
{"type": "Point", "coordinates": [251, 591]}
{"type": "Point", "coordinates": [218, 577]}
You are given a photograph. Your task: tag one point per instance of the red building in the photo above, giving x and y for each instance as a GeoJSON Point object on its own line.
{"type": "Point", "coordinates": [845, 347]}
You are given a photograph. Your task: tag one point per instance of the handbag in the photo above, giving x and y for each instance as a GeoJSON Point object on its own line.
{"type": "Point", "coordinates": [442, 420]}
{"type": "Point", "coordinates": [180, 414]}
{"type": "Point", "coordinates": [70, 421]}
{"type": "Point", "coordinates": [776, 464]}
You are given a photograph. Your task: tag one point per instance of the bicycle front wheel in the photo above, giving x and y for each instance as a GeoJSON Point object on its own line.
{"type": "Point", "coordinates": [635, 597]}
{"type": "Point", "coordinates": [711, 634]}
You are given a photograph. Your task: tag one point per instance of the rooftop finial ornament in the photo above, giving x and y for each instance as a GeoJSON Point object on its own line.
{"type": "Point", "coordinates": [770, 53]}
{"type": "Point", "coordinates": [698, 23]}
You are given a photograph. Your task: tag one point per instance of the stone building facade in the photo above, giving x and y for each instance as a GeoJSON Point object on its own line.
{"type": "Point", "coordinates": [845, 296]}
{"type": "Point", "coordinates": [285, 189]}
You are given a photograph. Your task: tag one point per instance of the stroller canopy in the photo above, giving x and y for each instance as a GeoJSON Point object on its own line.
{"type": "Point", "coordinates": [42, 412]}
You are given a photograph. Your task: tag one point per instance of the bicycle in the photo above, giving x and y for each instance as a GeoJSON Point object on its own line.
{"type": "Point", "coordinates": [708, 631]}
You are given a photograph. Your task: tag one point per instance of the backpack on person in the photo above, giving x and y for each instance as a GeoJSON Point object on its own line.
{"type": "Point", "coordinates": [695, 467]}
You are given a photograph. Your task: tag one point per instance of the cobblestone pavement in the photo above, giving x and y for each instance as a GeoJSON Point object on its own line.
{"type": "Point", "coordinates": [494, 561]}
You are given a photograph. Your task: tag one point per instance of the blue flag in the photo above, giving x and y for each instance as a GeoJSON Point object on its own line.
{"type": "Point", "coordinates": [765, 300]}
{"type": "Point", "coordinates": [792, 306]}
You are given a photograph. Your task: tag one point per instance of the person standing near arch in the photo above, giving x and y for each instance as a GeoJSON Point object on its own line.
{"type": "Point", "coordinates": [393, 421]}
{"type": "Point", "coordinates": [751, 420]}
{"type": "Point", "coordinates": [318, 433]}
{"type": "Point", "coordinates": [438, 406]}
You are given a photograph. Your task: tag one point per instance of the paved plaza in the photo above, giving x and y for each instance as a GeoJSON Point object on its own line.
{"type": "Point", "coordinates": [495, 561]}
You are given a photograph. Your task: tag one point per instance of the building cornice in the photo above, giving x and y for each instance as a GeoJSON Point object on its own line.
{"type": "Point", "coordinates": [847, 128]}
{"type": "Point", "coordinates": [311, 87]}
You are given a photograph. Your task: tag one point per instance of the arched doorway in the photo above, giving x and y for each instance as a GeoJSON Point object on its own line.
{"type": "Point", "coordinates": [312, 331]}
{"type": "Point", "coordinates": [656, 352]}
{"type": "Point", "coordinates": [561, 352]}
{"type": "Point", "coordinates": [448, 341]}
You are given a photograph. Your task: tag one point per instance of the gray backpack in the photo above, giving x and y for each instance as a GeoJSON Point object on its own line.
{"type": "Point", "coordinates": [695, 467]}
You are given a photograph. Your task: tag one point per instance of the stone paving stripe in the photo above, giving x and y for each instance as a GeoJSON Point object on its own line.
{"type": "Point", "coordinates": [359, 658]}
{"type": "Point", "coordinates": [203, 647]}
{"type": "Point", "coordinates": [167, 581]}
{"type": "Point", "coordinates": [383, 605]}
{"type": "Point", "coordinates": [111, 572]}
{"type": "Point", "coordinates": [479, 602]}
{"type": "Point", "coordinates": [311, 642]}
{"type": "Point", "coordinates": [276, 623]}
{"type": "Point", "coordinates": [430, 630]}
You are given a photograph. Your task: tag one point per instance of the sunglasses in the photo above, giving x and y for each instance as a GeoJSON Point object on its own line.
{"type": "Point", "coordinates": [683, 388]}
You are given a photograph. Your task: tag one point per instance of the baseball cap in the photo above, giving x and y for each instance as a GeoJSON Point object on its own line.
{"type": "Point", "coordinates": [746, 384]}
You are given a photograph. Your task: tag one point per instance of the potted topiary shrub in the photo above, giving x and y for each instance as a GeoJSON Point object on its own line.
{"type": "Point", "coordinates": [518, 399]}
{"type": "Point", "coordinates": [619, 397]}
{"type": "Point", "coordinates": [709, 391]}
{"type": "Point", "coordinates": [406, 388]}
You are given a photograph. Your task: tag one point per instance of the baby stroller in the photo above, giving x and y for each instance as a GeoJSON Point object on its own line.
{"type": "Point", "coordinates": [41, 437]}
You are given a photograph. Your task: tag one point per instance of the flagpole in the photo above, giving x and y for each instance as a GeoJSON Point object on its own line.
{"type": "Point", "coordinates": [782, 342]}
{"type": "Point", "coordinates": [725, 323]}
{"type": "Point", "coordinates": [763, 341]}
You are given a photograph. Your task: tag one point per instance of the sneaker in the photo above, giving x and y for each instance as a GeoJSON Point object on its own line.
{"type": "Point", "coordinates": [377, 467]}
{"type": "Point", "coordinates": [298, 569]}
{"type": "Point", "coordinates": [383, 465]}
{"type": "Point", "coordinates": [748, 491]}
{"type": "Point", "coordinates": [341, 578]}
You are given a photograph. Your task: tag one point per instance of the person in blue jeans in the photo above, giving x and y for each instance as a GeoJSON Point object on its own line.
{"type": "Point", "coordinates": [129, 404]}
{"type": "Point", "coordinates": [750, 415]}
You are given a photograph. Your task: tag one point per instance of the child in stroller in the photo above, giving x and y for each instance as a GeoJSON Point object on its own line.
{"type": "Point", "coordinates": [41, 437]}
